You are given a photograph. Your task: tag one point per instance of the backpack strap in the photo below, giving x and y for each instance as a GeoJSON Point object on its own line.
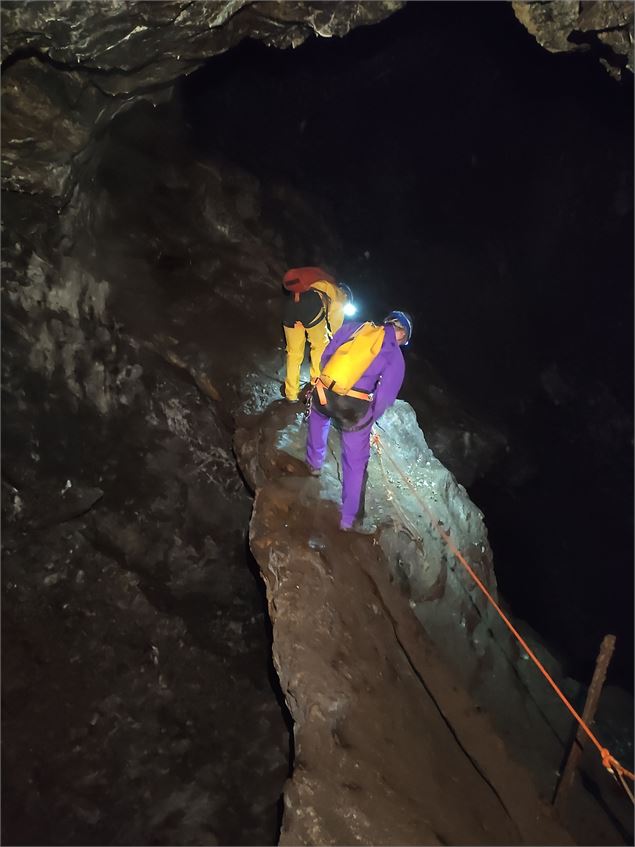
{"type": "Point", "coordinates": [358, 395]}
{"type": "Point", "coordinates": [326, 300]}
{"type": "Point", "coordinates": [319, 387]}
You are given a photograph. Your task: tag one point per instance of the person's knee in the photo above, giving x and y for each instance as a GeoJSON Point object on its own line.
{"type": "Point", "coordinates": [295, 355]}
{"type": "Point", "coordinates": [317, 350]}
{"type": "Point", "coordinates": [293, 363]}
{"type": "Point", "coordinates": [356, 449]}
{"type": "Point", "coordinates": [353, 468]}
{"type": "Point", "coordinates": [318, 336]}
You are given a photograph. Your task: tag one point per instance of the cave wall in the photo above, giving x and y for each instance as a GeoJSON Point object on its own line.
{"type": "Point", "coordinates": [135, 644]}
{"type": "Point", "coordinates": [137, 705]}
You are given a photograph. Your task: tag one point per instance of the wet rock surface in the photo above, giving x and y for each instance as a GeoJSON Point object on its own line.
{"type": "Point", "coordinates": [386, 741]}
{"type": "Point", "coordinates": [408, 568]}
{"type": "Point", "coordinates": [138, 705]}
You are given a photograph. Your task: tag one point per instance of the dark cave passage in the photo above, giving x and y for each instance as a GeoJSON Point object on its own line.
{"type": "Point", "coordinates": [491, 195]}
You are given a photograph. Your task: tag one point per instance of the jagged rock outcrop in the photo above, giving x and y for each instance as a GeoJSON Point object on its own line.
{"type": "Point", "coordinates": [389, 749]}
{"type": "Point", "coordinates": [367, 630]}
{"type": "Point", "coordinates": [561, 26]}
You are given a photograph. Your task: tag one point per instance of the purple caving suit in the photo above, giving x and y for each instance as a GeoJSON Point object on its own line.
{"type": "Point", "coordinates": [383, 379]}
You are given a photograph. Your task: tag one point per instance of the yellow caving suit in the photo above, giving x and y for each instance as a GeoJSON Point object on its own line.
{"type": "Point", "coordinates": [330, 320]}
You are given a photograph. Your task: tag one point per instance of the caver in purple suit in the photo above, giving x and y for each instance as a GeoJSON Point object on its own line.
{"type": "Point", "coordinates": [383, 379]}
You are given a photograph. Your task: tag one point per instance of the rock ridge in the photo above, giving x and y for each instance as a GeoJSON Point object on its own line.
{"type": "Point", "coordinates": [386, 737]}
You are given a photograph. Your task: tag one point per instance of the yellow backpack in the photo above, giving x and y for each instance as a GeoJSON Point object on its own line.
{"type": "Point", "coordinates": [352, 359]}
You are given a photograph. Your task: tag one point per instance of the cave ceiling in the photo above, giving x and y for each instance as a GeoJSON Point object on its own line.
{"type": "Point", "coordinates": [67, 73]}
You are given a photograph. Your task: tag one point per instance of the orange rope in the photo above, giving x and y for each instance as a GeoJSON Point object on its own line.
{"type": "Point", "coordinates": [609, 761]}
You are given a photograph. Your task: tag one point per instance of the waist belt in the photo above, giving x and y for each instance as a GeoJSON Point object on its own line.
{"type": "Point", "coordinates": [358, 395]}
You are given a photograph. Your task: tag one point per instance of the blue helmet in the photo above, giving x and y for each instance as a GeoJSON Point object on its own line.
{"type": "Point", "coordinates": [401, 320]}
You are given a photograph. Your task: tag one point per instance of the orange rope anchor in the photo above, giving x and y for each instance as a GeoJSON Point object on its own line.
{"type": "Point", "coordinates": [610, 762]}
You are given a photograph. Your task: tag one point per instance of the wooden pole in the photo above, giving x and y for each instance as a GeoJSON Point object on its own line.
{"type": "Point", "coordinates": [590, 706]}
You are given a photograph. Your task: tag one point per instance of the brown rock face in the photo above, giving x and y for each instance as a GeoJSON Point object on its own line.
{"type": "Point", "coordinates": [388, 748]}
{"type": "Point", "coordinates": [403, 686]}
{"type": "Point", "coordinates": [562, 27]}
{"type": "Point", "coordinates": [134, 634]}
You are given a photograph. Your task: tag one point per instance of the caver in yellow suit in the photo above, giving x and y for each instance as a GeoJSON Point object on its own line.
{"type": "Point", "coordinates": [313, 310]}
